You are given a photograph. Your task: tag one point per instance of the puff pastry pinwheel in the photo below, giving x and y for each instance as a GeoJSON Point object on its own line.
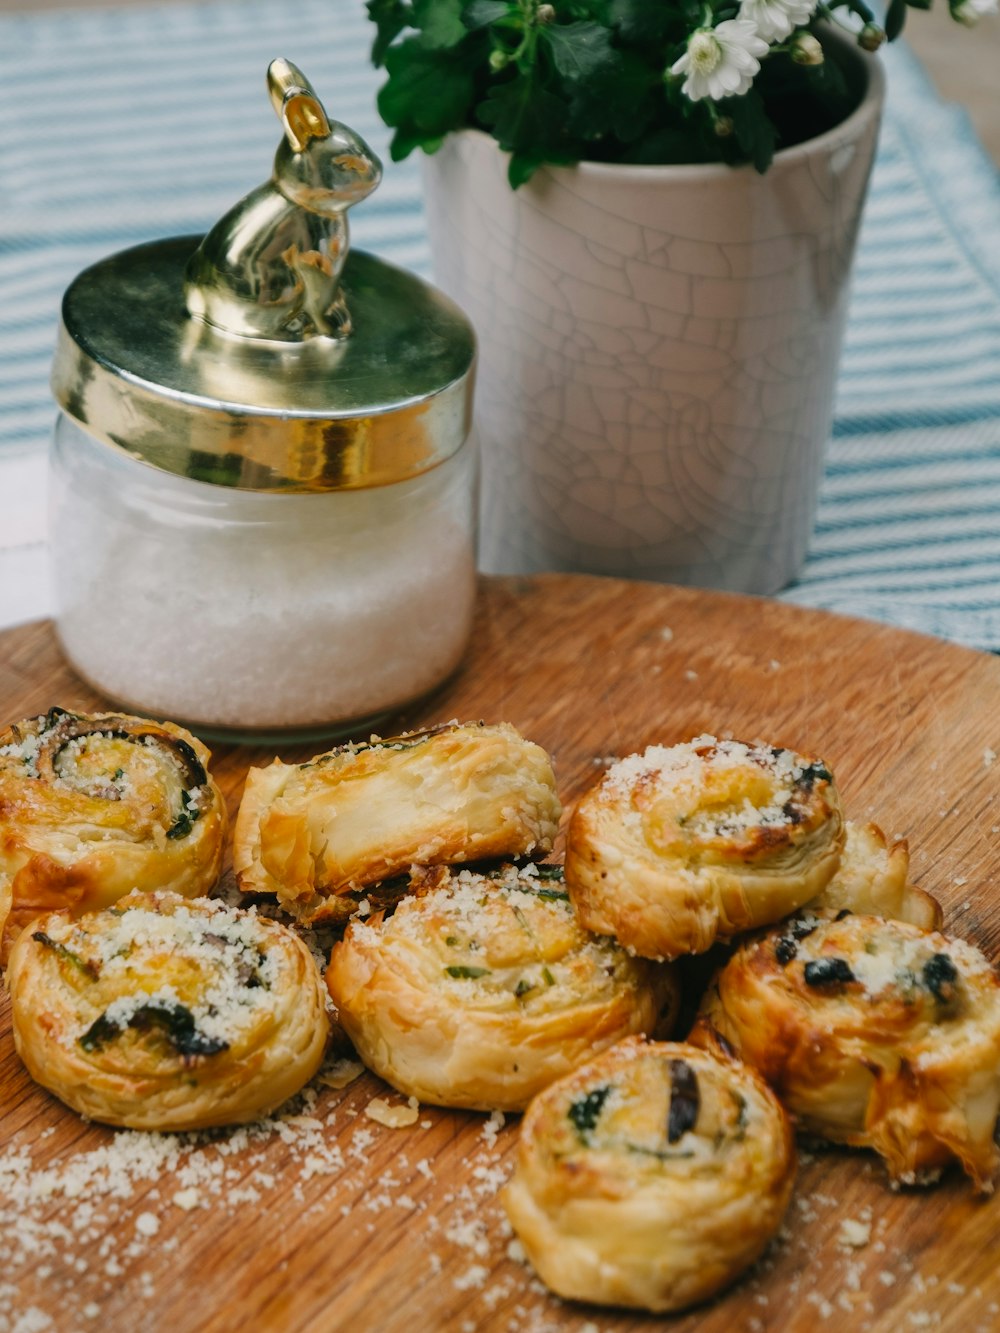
{"type": "Point", "coordinates": [94, 806]}
{"type": "Point", "coordinates": [481, 989]}
{"type": "Point", "coordinates": [365, 812]}
{"type": "Point", "coordinates": [873, 1033]}
{"type": "Point", "coordinates": [873, 878]}
{"type": "Point", "coordinates": [167, 1013]}
{"type": "Point", "coordinates": [686, 844]}
{"type": "Point", "coordinates": [650, 1177]}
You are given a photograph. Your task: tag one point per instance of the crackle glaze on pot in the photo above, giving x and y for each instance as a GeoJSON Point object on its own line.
{"type": "Point", "coordinates": [658, 352]}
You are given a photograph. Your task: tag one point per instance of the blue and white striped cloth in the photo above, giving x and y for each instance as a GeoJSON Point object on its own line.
{"type": "Point", "coordinates": [118, 126]}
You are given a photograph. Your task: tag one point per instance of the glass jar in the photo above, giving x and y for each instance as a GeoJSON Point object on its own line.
{"type": "Point", "coordinates": [263, 474]}
{"type": "Point", "coordinates": [246, 612]}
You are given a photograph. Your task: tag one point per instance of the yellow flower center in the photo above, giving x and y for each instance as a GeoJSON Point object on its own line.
{"type": "Point", "coordinates": [705, 51]}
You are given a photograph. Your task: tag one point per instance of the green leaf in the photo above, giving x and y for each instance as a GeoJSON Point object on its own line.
{"type": "Point", "coordinates": [754, 130]}
{"type": "Point", "coordinates": [579, 50]}
{"type": "Point", "coordinates": [403, 142]}
{"type": "Point", "coordinates": [620, 101]}
{"type": "Point", "coordinates": [481, 13]}
{"type": "Point", "coordinates": [895, 17]}
{"type": "Point", "coordinates": [588, 85]}
{"type": "Point", "coordinates": [585, 9]}
{"type": "Point", "coordinates": [527, 121]}
{"type": "Point", "coordinates": [672, 144]}
{"type": "Point", "coordinates": [522, 115]}
{"type": "Point", "coordinates": [467, 973]}
{"type": "Point", "coordinates": [833, 86]}
{"type": "Point", "coordinates": [522, 166]}
{"type": "Point", "coordinates": [440, 23]}
{"type": "Point", "coordinates": [390, 18]}
{"type": "Point", "coordinates": [640, 22]}
{"type": "Point", "coordinates": [427, 93]}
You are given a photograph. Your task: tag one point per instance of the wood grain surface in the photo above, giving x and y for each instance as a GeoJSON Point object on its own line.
{"type": "Point", "coordinates": [332, 1221]}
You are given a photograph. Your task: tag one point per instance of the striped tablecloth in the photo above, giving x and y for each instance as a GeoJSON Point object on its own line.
{"type": "Point", "coordinates": [121, 125]}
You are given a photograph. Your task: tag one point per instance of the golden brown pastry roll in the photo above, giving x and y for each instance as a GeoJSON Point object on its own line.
{"type": "Point", "coordinates": [480, 989]}
{"type": "Point", "coordinates": [873, 1033]}
{"type": "Point", "coordinates": [686, 844]}
{"type": "Point", "coordinates": [366, 812]}
{"type": "Point", "coordinates": [97, 805]}
{"type": "Point", "coordinates": [872, 879]}
{"type": "Point", "coordinates": [167, 1013]}
{"type": "Point", "coordinates": [651, 1177]}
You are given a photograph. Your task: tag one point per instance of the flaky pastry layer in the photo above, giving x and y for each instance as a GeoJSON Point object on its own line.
{"type": "Point", "coordinates": [96, 805]}
{"type": "Point", "coordinates": [683, 845]}
{"type": "Point", "coordinates": [873, 878]}
{"type": "Point", "coordinates": [479, 990]}
{"type": "Point", "coordinates": [167, 1013]}
{"type": "Point", "coordinates": [366, 812]}
{"type": "Point", "coordinates": [650, 1177]}
{"type": "Point", "coordinates": [873, 1033]}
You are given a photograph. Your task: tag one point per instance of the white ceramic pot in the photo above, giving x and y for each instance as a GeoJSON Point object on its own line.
{"type": "Point", "coordinates": [658, 351]}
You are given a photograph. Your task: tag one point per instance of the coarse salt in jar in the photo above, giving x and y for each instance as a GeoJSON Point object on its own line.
{"type": "Point", "coordinates": [263, 489]}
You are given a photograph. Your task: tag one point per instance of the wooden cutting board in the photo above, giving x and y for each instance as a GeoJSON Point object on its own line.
{"type": "Point", "coordinates": [332, 1221]}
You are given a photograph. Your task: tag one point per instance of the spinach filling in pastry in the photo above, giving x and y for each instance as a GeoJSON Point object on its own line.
{"type": "Point", "coordinates": [873, 1033]}
{"type": "Point", "coordinates": [482, 988]}
{"type": "Point", "coordinates": [683, 845]}
{"type": "Point", "coordinates": [96, 805]}
{"type": "Point", "coordinates": [650, 1177]}
{"type": "Point", "coordinates": [167, 1013]}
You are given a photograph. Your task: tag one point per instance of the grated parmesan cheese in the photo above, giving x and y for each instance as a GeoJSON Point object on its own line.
{"type": "Point", "coordinates": [854, 1234]}
{"type": "Point", "coordinates": [690, 767]}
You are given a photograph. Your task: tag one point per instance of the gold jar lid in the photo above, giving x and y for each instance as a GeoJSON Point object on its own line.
{"type": "Point", "coordinates": [266, 355]}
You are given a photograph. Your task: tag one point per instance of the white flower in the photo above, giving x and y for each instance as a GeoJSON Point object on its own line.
{"type": "Point", "coordinates": [806, 50]}
{"type": "Point", "coordinates": [721, 62]}
{"type": "Point", "coordinates": [970, 12]}
{"type": "Point", "coordinates": [775, 19]}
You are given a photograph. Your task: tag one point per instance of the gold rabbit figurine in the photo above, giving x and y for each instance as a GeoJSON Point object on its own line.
{"type": "Point", "coordinates": [270, 268]}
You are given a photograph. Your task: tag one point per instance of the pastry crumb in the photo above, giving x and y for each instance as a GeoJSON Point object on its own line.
{"type": "Point", "coordinates": [340, 1073]}
{"type": "Point", "coordinates": [392, 1116]}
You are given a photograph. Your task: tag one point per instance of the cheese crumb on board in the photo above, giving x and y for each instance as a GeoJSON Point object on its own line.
{"type": "Point", "coordinates": [854, 1234]}
{"type": "Point", "coordinates": [492, 1127]}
